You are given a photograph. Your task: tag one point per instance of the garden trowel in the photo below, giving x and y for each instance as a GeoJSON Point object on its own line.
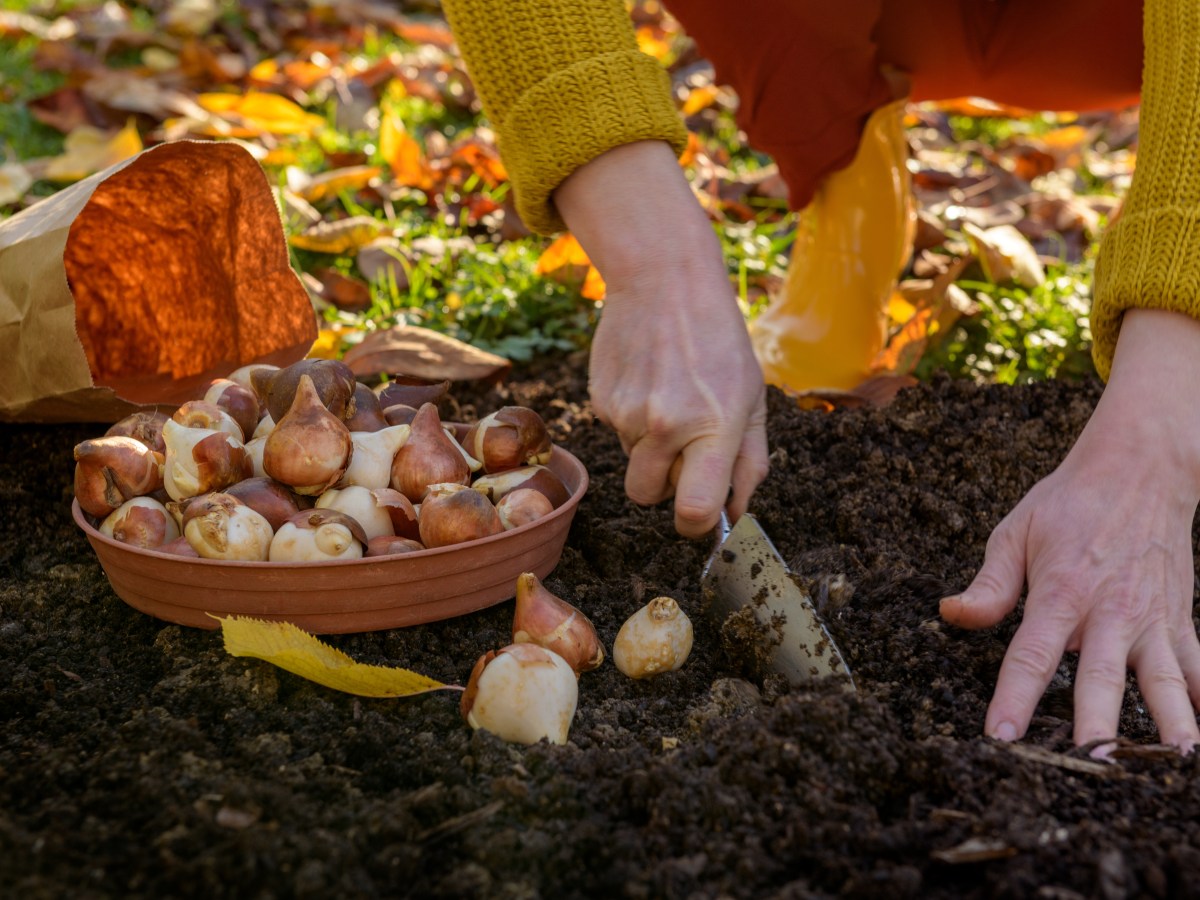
{"type": "Point", "coordinates": [745, 571]}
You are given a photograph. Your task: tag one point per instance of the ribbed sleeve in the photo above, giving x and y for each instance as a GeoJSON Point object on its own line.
{"type": "Point", "coordinates": [1150, 257]}
{"type": "Point", "coordinates": [562, 82]}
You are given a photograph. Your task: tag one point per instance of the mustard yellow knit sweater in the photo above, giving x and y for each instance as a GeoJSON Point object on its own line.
{"type": "Point", "coordinates": [563, 81]}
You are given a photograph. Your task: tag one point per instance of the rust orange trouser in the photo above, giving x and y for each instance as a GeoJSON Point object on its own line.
{"type": "Point", "coordinates": [810, 75]}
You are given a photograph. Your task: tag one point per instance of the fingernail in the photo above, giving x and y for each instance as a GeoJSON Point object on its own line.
{"type": "Point", "coordinates": [1005, 731]}
{"type": "Point", "coordinates": [1103, 752]}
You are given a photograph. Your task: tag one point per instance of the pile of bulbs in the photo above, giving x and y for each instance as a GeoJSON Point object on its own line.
{"type": "Point", "coordinates": [304, 463]}
{"type": "Point", "coordinates": [529, 690]}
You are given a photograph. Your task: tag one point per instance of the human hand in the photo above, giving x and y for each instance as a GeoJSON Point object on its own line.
{"type": "Point", "coordinates": [1104, 543]}
{"type": "Point", "coordinates": [672, 369]}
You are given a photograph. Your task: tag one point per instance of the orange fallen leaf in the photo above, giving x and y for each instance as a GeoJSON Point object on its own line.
{"type": "Point", "coordinates": [594, 287]}
{"type": "Point", "coordinates": [700, 99]}
{"type": "Point", "coordinates": [403, 154]}
{"type": "Point", "coordinates": [563, 251]}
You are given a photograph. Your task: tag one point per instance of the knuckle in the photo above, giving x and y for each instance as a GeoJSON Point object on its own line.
{"type": "Point", "coordinates": [1034, 659]}
{"type": "Point", "coordinates": [1103, 673]}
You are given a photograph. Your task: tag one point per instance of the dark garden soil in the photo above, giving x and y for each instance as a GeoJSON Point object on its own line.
{"type": "Point", "coordinates": [138, 759]}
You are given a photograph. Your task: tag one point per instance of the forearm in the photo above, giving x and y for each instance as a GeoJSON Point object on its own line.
{"type": "Point", "coordinates": [562, 82]}
{"type": "Point", "coordinates": [1150, 257]}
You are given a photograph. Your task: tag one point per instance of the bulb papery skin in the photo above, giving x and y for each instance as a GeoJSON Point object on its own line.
{"type": "Point", "coordinates": [371, 460]}
{"type": "Point", "coordinates": [522, 506]}
{"type": "Point", "coordinates": [401, 511]}
{"type": "Point", "coordinates": [240, 403]}
{"type": "Point", "coordinates": [200, 460]}
{"type": "Point", "coordinates": [543, 618]}
{"type": "Point", "coordinates": [456, 516]}
{"type": "Point", "coordinates": [110, 470]}
{"type": "Point", "coordinates": [472, 463]}
{"type": "Point", "coordinates": [254, 451]}
{"type": "Point", "coordinates": [222, 527]}
{"type": "Point", "coordinates": [392, 545]}
{"type": "Point", "coordinates": [310, 447]}
{"type": "Point", "coordinates": [411, 390]}
{"type": "Point", "coordinates": [140, 522]}
{"type": "Point", "coordinates": [318, 535]}
{"type": "Point", "coordinates": [360, 504]}
{"type": "Point", "coordinates": [142, 426]}
{"type": "Point", "coordinates": [202, 414]}
{"type": "Point", "coordinates": [522, 694]}
{"type": "Point", "coordinates": [428, 457]}
{"type": "Point", "coordinates": [508, 438]}
{"type": "Point", "coordinates": [538, 478]}
{"type": "Point", "coordinates": [655, 639]}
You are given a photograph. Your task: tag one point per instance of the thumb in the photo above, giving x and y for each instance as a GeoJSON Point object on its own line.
{"type": "Point", "coordinates": [994, 592]}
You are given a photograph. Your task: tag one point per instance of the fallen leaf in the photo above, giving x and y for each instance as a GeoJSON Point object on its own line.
{"type": "Point", "coordinates": [347, 293]}
{"type": "Point", "coordinates": [256, 112]}
{"type": "Point", "coordinates": [383, 260]}
{"type": "Point", "coordinates": [290, 648]}
{"type": "Point", "coordinates": [403, 154]}
{"type": "Point", "coordinates": [328, 185]}
{"type": "Point", "coordinates": [89, 150]}
{"type": "Point", "coordinates": [563, 251]}
{"type": "Point", "coordinates": [412, 350]}
{"type": "Point", "coordinates": [15, 180]}
{"type": "Point", "coordinates": [342, 236]}
{"type": "Point", "coordinates": [1006, 255]}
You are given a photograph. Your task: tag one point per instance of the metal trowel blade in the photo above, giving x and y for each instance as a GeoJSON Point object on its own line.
{"type": "Point", "coordinates": [746, 571]}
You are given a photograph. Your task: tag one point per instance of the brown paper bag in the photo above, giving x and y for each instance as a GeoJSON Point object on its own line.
{"type": "Point", "coordinates": [140, 284]}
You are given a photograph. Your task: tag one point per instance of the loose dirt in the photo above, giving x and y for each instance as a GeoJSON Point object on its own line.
{"type": "Point", "coordinates": [138, 759]}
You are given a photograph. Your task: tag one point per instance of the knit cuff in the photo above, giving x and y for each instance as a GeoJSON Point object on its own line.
{"type": "Point", "coordinates": [1148, 260]}
{"type": "Point", "coordinates": [578, 113]}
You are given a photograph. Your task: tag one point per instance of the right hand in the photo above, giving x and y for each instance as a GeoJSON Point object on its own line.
{"type": "Point", "coordinates": [672, 369]}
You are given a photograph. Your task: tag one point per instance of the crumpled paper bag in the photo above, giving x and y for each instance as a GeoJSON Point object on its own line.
{"type": "Point", "coordinates": [138, 285]}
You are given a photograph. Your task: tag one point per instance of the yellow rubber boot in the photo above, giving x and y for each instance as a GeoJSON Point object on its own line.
{"type": "Point", "coordinates": [830, 320]}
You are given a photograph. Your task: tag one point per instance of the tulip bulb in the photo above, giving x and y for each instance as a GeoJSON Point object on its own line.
{"type": "Point", "coordinates": [454, 514]}
{"type": "Point", "coordinates": [245, 377]}
{"type": "Point", "coordinates": [657, 638]}
{"type": "Point", "coordinates": [510, 437]}
{"type": "Point", "coordinates": [401, 511]}
{"type": "Point", "coordinates": [522, 506]}
{"type": "Point", "coordinates": [522, 693]}
{"type": "Point", "coordinates": [179, 547]}
{"type": "Point", "coordinates": [371, 460]}
{"type": "Point", "coordinates": [275, 502]}
{"type": "Point", "coordinates": [255, 449]}
{"type": "Point", "coordinates": [399, 414]}
{"type": "Point", "coordinates": [140, 522]}
{"type": "Point", "coordinates": [368, 414]}
{"type": "Point", "coordinates": [333, 384]}
{"type": "Point", "coordinates": [427, 457]}
{"type": "Point", "coordinates": [264, 427]}
{"type": "Point", "coordinates": [539, 478]}
{"type": "Point", "coordinates": [547, 620]}
{"type": "Point", "coordinates": [222, 527]}
{"type": "Point", "coordinates": [200, 460]}
{"type": "Point", "coordinates": [202, 414]}
{"type": "Point", "coordinates": [359, 503]}
{"type": "Point", "coordinates": [318, 535]}
{"type": "Point", "coordinates": [110, 470]}
{"type": "Point", "coordinates": [310, 447]}
{"type": "Point", "coordinates": [391, 545]}
{"type": "Point", "coordinates": [241, 403]}
{"type": "Point", "coordinates": [411, 390]}
{"type": "Point", "coordinates": [143, 426]}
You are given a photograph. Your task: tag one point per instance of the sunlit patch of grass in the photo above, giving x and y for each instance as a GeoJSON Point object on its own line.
{"type": "Point", "coordinates": [1021, 335]}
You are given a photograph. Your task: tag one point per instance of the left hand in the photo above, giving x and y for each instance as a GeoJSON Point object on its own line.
{"type": "Point", "coordinates": [1104, 543]}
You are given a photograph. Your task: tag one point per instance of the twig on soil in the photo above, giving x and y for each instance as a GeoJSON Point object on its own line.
{"type": "Point", "coordinates": [460, 823]}
{"type": "Point", "coordinates": [1062, 761]}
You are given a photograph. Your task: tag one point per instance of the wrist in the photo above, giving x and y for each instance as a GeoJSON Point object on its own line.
{"type": "Point", "coordinates": [1151, 388]}
{"type": "Point", "coordinates": [633, 212]}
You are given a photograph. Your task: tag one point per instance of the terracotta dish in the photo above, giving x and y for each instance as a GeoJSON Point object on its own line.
{"type": "Point", "coordinates": [355, 595]}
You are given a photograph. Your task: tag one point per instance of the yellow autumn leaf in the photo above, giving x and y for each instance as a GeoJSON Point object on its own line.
{"type": "Point", "coordinates": [341, 236]}
{"type": "Point", "coordinates": [700, 99]}
{"type": "Point", "coordinates": [330, 184]}
{"type": "Point", "coordinates": [260, 112]}
{"type": "Point", "coordinates": [290, 648]}
{"type": "Point", "coordinates": [88, 149]}
{"type": "Point", "coordinates": [328, 344]}
{"type": "Point", "coordinates": [594, 287]}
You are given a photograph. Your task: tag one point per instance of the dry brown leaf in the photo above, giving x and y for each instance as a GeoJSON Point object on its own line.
{"type": "Point", "coordinates": [342, 236]}
{"type": "Point", "coordinates": [410, 350]}
{"type": "Point", "coordinates": [347, 293]}
{"type": "Point", "coordinates": [384, 260]}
